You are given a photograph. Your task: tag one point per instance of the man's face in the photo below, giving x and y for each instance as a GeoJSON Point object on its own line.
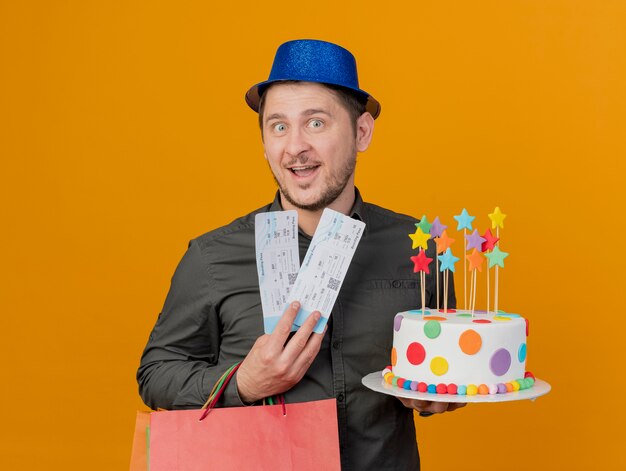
{"type": "Point", "coordinates": [310, 144]}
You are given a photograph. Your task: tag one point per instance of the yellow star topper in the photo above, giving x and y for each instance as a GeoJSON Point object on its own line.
{"type": "Point", "coordinates": [420, 239]}
{"type": "Point", "coordinates": [497, 218]}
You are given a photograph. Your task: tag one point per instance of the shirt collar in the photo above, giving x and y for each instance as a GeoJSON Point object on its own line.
{"type": "Point", "coordinates": [358, 211]}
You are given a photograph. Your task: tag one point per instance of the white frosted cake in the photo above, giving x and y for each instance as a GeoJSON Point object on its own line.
{"type": "Point", "coordinates": [459, 352]}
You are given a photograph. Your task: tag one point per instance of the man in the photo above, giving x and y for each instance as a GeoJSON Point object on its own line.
{"type": "Point", "coordinates": [314, 119]}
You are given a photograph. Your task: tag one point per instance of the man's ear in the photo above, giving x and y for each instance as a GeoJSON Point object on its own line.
{"type": "Point", "coordinates": [364, 131]}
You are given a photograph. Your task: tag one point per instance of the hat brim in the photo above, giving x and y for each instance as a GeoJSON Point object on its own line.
{"type": "Point", "coordinates": [253, 96]}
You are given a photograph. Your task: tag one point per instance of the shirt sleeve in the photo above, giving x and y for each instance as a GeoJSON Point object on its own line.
{"type": "Point", "coordinates": [179, 365]}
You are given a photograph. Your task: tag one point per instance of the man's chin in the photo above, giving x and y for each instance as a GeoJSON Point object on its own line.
{"type": "Point", "coordinates": [308, 204]}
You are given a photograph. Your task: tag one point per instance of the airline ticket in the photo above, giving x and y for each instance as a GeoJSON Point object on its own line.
{"type": "Point", "coordinates": [325, 266]}
{"type": "Point", "coordinates": [277, 262]}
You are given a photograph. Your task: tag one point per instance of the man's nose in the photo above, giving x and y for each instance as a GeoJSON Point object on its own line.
{"type": "Point", "coordinates": [297, 142]}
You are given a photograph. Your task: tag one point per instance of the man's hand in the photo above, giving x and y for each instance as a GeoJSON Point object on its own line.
{"type": "Point", "coordinates": [426, 408]}
{"type": "Point", "coordinates": [272, 367]}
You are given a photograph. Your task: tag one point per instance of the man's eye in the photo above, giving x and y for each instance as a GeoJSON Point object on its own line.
{"type": "Point", "coordinates": [279, 127]}
{"type": "Point", "coordinates": [316, 123]}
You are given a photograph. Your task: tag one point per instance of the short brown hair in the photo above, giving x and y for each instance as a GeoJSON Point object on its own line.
{"type": "Point", "coordinates": [352, 102]}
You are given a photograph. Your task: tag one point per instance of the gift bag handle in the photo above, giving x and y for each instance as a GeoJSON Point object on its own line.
{"type": "Point", "coordinates": [220, 387]}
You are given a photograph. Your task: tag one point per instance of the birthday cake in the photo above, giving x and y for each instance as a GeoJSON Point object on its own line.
{"type": "Point", "coordinates": [459, 353]}
{"type": "Point", "coordinates": [463, 352]}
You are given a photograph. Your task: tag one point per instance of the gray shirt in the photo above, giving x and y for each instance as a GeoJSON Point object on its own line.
{"type": "Point", "coordinates": [212, 316]}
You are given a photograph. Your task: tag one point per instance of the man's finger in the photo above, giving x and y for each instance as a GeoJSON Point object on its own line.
{"type": "Point", "coordinates": [425, 406]}
{"type": "Point", "coordinates": [308, 354]}
{"type": "Point", "coordinates": [299, 341]}
{"type": "Point", "coordinates": [283, 328]}
{"type": "Point", "coordinates": [455, 405]}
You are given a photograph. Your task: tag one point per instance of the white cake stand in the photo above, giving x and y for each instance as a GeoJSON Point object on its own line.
{"type": "Point", "coordinates": [376, 382]}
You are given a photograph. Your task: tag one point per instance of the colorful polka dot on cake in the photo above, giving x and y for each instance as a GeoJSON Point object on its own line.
{"type": "Point", "coordinates": [397, 322]}
{"type": "Point", "coordinates": [470, 342]}
{"type": "Point", "coordinates": [432, 329]}
{"type": "Point", "coordinates": [415, 353]}
{"type": "Point", "coordinates": [439, 366]}
{"type": "Point", "coordinates": [521, 353]}
{"type": "Point", "coordinates": [500, 362]}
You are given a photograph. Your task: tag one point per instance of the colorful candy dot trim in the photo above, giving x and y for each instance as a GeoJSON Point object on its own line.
{"type": "Point", "coordinates": [519, 384]}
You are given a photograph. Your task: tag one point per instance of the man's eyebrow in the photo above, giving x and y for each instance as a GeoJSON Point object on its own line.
{"type": "Point", "coordinates": [311, 111]}
{"type": "Point", "coordinates": [274, 116]}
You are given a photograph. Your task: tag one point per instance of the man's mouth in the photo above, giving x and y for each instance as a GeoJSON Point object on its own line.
{"type": "Point", "coordinates": [303, 170]}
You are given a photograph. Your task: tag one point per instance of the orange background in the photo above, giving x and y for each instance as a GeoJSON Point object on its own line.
{"type": "Point", "coordinates": [124, 133]}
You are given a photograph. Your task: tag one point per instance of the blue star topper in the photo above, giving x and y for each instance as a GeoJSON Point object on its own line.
{"type": "Point", "coordinates": [447, 261]}
{"type": "Point", "coordinates": [464, 220]}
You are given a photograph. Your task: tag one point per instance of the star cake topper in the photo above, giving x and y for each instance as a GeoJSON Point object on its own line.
{"type": "Point", "coordinates": [419, 238]}
{"type": "Point", "coordinates": [447, 261]}
{"type": "Point", "coordinates": [421, 262]}
{"type": "Point", "coordinates": [497, 218]}
{"type": "Point", "coordinates": [464, 220]}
